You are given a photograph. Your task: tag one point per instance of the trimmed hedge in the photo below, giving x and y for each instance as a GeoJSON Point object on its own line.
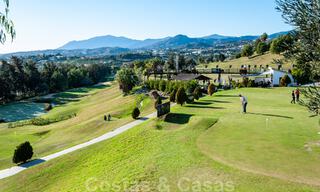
{"type": "Point", "coordinates": [197, 93]}
{"type": "Point", "coordinates": [181, 96]}
{"type": "Point", "coordinates": [211, 89]}
{"type": "Point", "coordinates": [169, 86]}
{"type": "Point", "coordinates": [39, 121]}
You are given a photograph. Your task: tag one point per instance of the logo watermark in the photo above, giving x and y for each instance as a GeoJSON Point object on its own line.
{"type": "Point", "coordinates": [183, 184]}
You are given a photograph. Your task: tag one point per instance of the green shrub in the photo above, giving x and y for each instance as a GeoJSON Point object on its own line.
{"type": "Point", "coordinates": [127, 79]}
{"type": "Point", "coordinates": [190, 99]}
{"type": "Point", "coordinates": [40, 121]}
{"type": "Point", "coordinates": [139, 99]}
{"type": "Point", "coordinates": [22, 153]}
{"type": "Point", "coordinates": [245, 82]}
{"type": "Point", "coordinates": [191, 86]}
{"type": "Point", "coordinates": [135, 113]}
{"type": "Point", "coordinates": [173, 96]}
{"type": "Point", "coordinates": [162, 85]}
{"type": "Point", "coordinates": [251, 83]}
{"type": "Point", "coordinates": [197, 93]}
{"type": "Point", "coordinates": [156, 85]}
{"type": "Point", "coordinates": [48, 106]}
{"type": "Point", "coordinates": [234, 83]}
{"type": "Point", "coordinates": [240, 85]}
{"type": "Point", "coordinates": [211, 89]}
{"type": "Point", "coordinates": [168, 86]}
{"type": "Point", "coordinates": [146, 84]}
{"type": "Point", "coordinates": [177, 85]}
{"type": "Point", "coordinates": [157, 102]}
{"type": "Point", "coordinates": [181, 96]}
{"type": "Point", "coordinates": [151, 84]}
{"type": "Point", "coordinates": [285, 81]}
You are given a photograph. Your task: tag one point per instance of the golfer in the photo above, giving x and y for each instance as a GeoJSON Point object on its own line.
{"type": "Point", "coordinates": [293, 95]}
{"type": "Point", "coordinates": [244, 102]}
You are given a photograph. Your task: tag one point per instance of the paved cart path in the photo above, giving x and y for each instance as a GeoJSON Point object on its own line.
{"type": "Point", "coordinates": [16, 169]}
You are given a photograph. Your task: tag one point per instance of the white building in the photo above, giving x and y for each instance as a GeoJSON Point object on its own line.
{"type": "Point", "coordinates": [273, 76]}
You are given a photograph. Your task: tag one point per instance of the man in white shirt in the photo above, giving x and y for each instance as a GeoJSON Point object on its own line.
{"type": "Point", "coordinates": [244, 102]}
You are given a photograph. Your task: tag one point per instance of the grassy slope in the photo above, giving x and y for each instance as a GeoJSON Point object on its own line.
{"type": "Point", "coordinates": [185, 146]}
{"type": "Point", "coordinates": [263, 60]}
{"type": "Point", "coordinates": [90, 104]}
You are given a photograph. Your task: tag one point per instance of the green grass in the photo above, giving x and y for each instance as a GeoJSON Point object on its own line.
{"type": "Point", "coordinates": [90, 105]}
{"type": "Point", "coordinates": [208, 142]}
{"type": "Point", "coordinates": [266, 59]}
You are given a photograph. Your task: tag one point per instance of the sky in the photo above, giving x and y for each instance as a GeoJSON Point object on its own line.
{"type": "Point", "coordinates": [49, 24]}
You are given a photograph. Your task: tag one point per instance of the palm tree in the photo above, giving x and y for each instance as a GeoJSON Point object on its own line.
{"type": "Point", "coordinates": [6, 25]}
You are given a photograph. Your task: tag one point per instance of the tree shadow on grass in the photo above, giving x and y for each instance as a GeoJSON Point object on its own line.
{"type": "Point", "coordinates": [41, 133]}
{"type": "Point", "coordinates": [75, 94]}
{"type": "Point", "coordinates": [226, 95]}
{"type": "Point", "coordinates": [271, 115]}
{"type": "Point", "coordinates": [178, 118]}
{"type": "Point", "coordinates": [204, 107]}
{"type": "Point", "coordinates": [143, 118]}
{"type": "Point", "coordinates": [202, 103]}
{"type": "Point", "coordinates": [32, 163]}
{"type": "Point", "coordinates": [216, 101]}
{"type": "Point", "coordinates": [63, 98]}
{"type": "Point", "coordinates": [88, 89]}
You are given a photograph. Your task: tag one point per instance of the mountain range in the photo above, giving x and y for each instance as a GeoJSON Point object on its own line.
{"type": "Point", "coordinates": [112, 45]}
{"type": "Point", "coordinates": [177, 41]}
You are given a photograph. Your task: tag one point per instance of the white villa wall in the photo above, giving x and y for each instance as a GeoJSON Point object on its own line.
{"type": "Point", "coordinates": [277, 75]}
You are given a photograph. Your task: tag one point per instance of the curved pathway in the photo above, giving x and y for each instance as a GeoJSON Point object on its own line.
{"type": "Point", "coordinates": [16, 169]}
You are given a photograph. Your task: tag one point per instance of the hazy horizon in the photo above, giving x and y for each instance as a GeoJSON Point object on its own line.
{"type": "Point", "coordinates": [49, 24]}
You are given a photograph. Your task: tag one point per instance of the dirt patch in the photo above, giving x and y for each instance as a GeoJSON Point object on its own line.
{"type": "Point", "coordinates": [311, 145]}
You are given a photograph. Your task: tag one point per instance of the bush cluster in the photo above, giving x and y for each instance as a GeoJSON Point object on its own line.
{"type": "Point", "coordinates": [246, 82]}
{"type": "Point", "coordinates": [169, 86]}
{"type": "Point", "coordinates": [179, 91]}
{"type": "Point", "coordinates": [39, 121]}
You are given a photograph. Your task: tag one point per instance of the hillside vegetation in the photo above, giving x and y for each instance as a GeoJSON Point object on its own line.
{"type": "Point", "coordinates": [266, 59]}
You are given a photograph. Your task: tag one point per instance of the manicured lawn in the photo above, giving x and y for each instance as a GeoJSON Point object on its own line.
{"type": "Point", "coordinates": [208, 142]}
{"type": "Point", "coordinates": [90, 105]}
{"type": "Point", "coordinates": [276, 138]}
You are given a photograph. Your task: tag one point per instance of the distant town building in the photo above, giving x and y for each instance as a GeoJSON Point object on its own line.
{"type": "Point", "coordinates": [273, 76]}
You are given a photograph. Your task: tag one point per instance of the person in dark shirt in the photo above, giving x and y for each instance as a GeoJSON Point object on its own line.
{"type": "Point", "coordinates": [297, 93]}
{"type": "Point", "coordinates": [293, 97]}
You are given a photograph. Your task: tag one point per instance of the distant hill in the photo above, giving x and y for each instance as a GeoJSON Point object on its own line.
{"type": "Point", "coordinates": [109, 41]}
{"type": "Point", "coordinates": [177, 41]}
{"type": "Point", "coordinates": [112, 45]}
{"type": "Point", "coordinates": [75, 52]}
